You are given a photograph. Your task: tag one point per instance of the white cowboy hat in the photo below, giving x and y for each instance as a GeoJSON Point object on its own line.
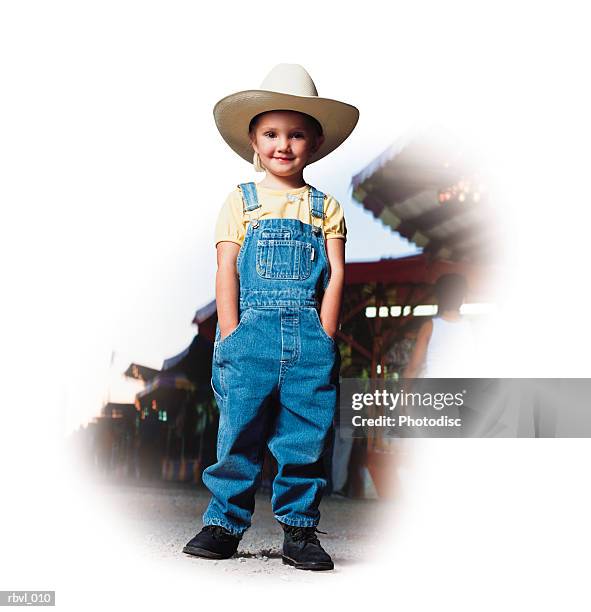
{"type": "Point", "coordinates": [286, 87]}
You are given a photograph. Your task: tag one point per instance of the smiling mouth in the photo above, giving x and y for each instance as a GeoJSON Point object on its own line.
{"type": "Point", "coordinates": [284, 158]}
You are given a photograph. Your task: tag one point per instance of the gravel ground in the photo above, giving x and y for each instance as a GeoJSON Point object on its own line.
{"type": "Point", "coordinates": [165, 516]}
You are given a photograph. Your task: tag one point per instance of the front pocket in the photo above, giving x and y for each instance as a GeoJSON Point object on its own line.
{"type": "Point", "coordinates": [245, 315]}
{"type": "Point", "coordinates": [284, 259]}
{"type": "Point", "coordinates": [218, 396]}
{"type": "Point", "coordinates": [321, 329]}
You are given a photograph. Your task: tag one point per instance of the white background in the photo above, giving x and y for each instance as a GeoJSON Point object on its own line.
{"type": "Point", "coordinates": [111, 175]}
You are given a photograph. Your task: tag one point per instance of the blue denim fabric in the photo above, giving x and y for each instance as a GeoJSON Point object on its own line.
{"type": "Point", "coordinates": [275, 377]}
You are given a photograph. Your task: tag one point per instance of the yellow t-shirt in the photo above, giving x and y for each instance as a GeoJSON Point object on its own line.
{"type": "Point", "coordinates": [232, 222]}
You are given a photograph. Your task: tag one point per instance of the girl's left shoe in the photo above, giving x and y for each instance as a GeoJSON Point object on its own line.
{"type": "Point", "coordinates": [302, 549]}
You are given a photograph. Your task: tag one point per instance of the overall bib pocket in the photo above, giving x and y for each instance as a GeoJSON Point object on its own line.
{"type": "Point", "coordinates": [283, 259]}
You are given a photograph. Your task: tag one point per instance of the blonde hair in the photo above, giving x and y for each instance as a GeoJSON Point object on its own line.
{"type": "Point", "coordinates": [256, 162]}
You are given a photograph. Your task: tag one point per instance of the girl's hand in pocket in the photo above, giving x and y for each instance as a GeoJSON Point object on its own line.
{"type": "Point", "coordinates": [227, 331]}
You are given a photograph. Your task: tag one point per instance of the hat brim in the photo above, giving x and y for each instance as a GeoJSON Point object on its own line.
{"type": "Point", "coordinates": [234, 112]}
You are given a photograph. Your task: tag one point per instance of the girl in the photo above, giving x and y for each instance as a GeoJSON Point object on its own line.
{"type": "Point", "coordinates": [281, 253]}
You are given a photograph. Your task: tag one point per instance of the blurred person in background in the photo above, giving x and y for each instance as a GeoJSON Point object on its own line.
{"type": "Point", "coordinates": [445, 345]}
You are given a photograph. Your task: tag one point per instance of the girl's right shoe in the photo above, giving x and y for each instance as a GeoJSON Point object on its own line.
{"type": "Point", "coordinates": [212, 542]}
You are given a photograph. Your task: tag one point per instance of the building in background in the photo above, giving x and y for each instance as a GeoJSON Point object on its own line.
{"type": "Point", "coordinates": [432, 188]}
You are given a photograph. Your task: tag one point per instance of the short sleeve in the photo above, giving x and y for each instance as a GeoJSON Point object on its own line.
{"type": "Point", "coordinates": [334, 221]}
{"type": "Point", "coordinates": [230, 223]}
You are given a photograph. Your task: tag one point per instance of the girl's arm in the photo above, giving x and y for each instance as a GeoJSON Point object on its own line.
{"type": "Point", "coordinates": [419, 351]}
{"type": "Point", "coordinates": [227, 288]}
{"type": "Point", "coordinates": [330, 310]}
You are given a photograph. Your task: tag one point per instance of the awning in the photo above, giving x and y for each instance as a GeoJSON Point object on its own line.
{"type": "Point", "coordinates": [194, 362]}
{"type": "Point", "coordinates": [166, 382]}
{"type": "Point", "coordinates": [431, 188]}
{"type": "Point", "coordinates": [140, 372]}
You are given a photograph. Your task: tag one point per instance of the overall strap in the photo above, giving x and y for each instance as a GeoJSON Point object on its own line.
{"type": "Point", "coordinates": [250, 201]}
{"type": "Point", "coordinates": [316, 207]}
{"type": "Point", "coordinates": [249, 196]}
{"type": "Point", "coordinates": [317, 202]}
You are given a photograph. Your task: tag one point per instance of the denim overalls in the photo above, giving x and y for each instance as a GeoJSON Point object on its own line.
{"type": "Point", "coordinates": [275, 376]}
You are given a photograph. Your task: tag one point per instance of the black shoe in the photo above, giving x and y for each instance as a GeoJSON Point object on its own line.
{"type": "Point", "coordinates": [212, 542]}
{"type": "Point", "coordinates": [302, 549]}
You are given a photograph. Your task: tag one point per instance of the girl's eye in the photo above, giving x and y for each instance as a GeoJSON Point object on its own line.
{"type": "Point", "coordinates": [294, 135]}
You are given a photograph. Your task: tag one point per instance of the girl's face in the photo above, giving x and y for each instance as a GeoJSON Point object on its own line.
{"type": "Point", "coordinates": [284, 140]}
